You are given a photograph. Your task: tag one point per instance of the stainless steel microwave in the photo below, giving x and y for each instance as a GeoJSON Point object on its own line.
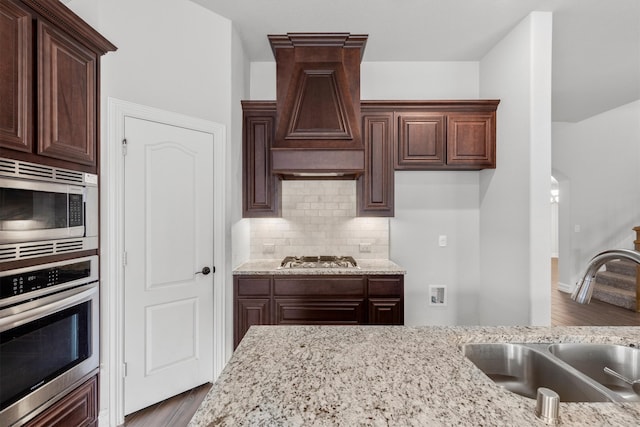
{"type": "Point", "coordinates": [45, 210]}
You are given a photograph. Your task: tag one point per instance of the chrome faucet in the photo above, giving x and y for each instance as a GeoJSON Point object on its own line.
{"type": "Point", "coordinates": [583, 291]}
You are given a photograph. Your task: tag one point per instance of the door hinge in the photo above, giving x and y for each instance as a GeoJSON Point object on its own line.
{"type": "Point", "coordinates": [124, 147]}
{"type": "Point", "coordinates": [124, 369]}
{"type": "Point", "coordinates": [124, 259]}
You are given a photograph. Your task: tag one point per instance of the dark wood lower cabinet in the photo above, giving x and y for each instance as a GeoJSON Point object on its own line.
{"type": "Point", "coordinates": [385, 311]}
{"type": "Point", "coordinates": [316, 300]}
{"type": "Point", "coordinates": [78, 409]}
{"type": "Point", "coordinates": [248, 312]}
{"type": "Point", "coordinates": [315, 311]}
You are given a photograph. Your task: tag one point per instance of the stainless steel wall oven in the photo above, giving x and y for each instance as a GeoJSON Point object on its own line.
{"type": "Point", "coordinates": [49, 334]}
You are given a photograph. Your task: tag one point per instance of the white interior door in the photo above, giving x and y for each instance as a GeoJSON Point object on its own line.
{"type": "Point", "coordinates": [168, 240]}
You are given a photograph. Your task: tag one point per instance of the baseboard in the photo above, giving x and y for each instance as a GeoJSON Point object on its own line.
{"type": "Point", "coordinates": [103, 417]}
{"type": "Point", "coordinates": [563, 287]}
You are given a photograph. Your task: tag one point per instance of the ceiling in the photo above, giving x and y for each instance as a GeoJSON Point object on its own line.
{"type": "Point", "coordinates": [596, 43]}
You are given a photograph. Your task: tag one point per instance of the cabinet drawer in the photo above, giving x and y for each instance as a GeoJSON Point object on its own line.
{"type": "Point", "coordinates": [79, 408]}
{"type": "Point", "coordinates": [319, 286]}
{"type": "Point", "coordinates": [253, 286]}
{"type": "Point", "coordinates": [386, 286]}
{"type": "Point", "coordinates": [325, 312]}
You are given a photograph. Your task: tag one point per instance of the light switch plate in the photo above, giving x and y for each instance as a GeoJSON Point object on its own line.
{"type": "Point", "coordinates": [442, 241]}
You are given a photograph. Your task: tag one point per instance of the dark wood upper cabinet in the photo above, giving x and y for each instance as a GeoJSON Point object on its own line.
{"type": "Point", "coordinates": [420, 140]}
{"type": "Point", "coordinates": [375, 186]}
{"type": "Point", "coordinates": [16, 113]}
{"type": "Point", "coordinates": [318, 103]}
{"type": "Point", "coordinates": [67, 75]}
{"type": "Point", "coordinates": [471, 139]}
{"type": "Point", "coordinates": [49, 83]}
{"type": "Point", "coordinates": [319, 129]}
{"type": "Point", "coordinates": [441, 135]}
{"type": "Point", "coordinates": [260, 188]}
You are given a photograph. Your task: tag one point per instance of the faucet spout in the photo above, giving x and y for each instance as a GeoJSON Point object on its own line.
{"type": "Point", "coordinates": [584, 289]}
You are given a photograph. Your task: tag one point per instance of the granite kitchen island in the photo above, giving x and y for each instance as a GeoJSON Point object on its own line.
{"type": "Point", "coordinates": [388, 375]}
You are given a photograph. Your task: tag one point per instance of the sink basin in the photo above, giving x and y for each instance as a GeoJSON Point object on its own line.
{"type": "Point", "coordinates": [591, 360]}
{"type": "Point", "coordinates": [522, 368]}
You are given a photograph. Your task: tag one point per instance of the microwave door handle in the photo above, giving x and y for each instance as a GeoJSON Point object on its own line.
{"type": "Point", "coordinates": [54, 304]}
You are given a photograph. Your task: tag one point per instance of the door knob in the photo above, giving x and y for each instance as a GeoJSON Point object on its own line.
{"type": "Point", "coordinates": [205, 271]}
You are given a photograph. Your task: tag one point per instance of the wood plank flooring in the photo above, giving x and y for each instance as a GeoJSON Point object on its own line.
{"type": "Point", "coordinates": [565, 312]}
{"type": "Point", "coordinates": [173, 412]}
{"type": "Point", "coordinates": [178, 410]}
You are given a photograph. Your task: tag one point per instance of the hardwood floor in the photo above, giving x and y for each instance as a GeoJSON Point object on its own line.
{"type": "Point", "coordinates": [178, 410]}
{"type": "Point", "coordinates": [565, 312]}
{"type": "Point", "coordinates": [173, 412]}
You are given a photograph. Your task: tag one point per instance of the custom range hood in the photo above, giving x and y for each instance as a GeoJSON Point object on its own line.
{"type": "Point", "coordinates": [318, 133]}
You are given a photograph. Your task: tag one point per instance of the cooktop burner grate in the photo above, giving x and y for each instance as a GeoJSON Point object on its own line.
{"type": "Point", "coordinates": [320, 261]}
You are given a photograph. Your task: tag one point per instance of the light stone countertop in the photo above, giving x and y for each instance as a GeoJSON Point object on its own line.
{"type": "Point", "coordinates": [388, 376]}
{"type": "Point", "coordinates": [366, 266]}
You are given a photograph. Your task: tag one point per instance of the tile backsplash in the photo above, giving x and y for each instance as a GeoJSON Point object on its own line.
{"type": "Point", "coordinates": [319, 218]}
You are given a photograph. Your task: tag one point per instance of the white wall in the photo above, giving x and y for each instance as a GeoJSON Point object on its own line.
{"type": "Point", "coordinates": [263, 80]}
{"type": "Point", "coordinates": [597, 164]}
{"type": "Point", "coordinates": [237, 228]}
{"type": "Point", "coordinates": [419, 80]}
{"type": "Point", "coordinates": [514, 198]}
{"type": "Point", "coordinates": [173, 55]}
{"type": "Point", "coordinates": [429, 204]}
{"type": "Point", "coordinates": [391, 80]}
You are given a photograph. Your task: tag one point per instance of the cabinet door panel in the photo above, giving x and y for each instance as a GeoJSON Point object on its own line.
{"type": "Point", "coordinates": [420, 140]}
{"type": "Point", "coordinates": [375, 186]}
{"type": "Point", "coordinates": [16, 130]}
{"type": "Point", "coordinates": [318, 311]}
{"type": "Point", "coordinates": [249, 312]}
{"type": "Point", "coordinates": [67, 74]}
{"type": "Point", "coordinates": [79, 408]}
{"type": "Point", "coordinates": [471, 140]}
{"type": "Point", "coordinates": [386, 311]}
{"type": "Point", "coordinates": [260, 188]}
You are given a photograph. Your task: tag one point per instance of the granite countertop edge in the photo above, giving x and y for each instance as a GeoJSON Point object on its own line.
{"type": "Point", "coordinates": [365, 266]}
{"type": "Point", "coordinates": [389, 375]}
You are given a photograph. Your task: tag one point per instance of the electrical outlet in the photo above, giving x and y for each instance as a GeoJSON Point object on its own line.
{"type": "Point", "coordinates": [268, 248]}
{"type": "Point", "coordinates": [365, 247]}
{"type": "Point", "coordinates": [442, 241]}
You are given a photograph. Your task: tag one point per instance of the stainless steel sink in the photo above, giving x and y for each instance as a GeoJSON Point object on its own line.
{"type": "Point", "coordinates": [591, 360]}
{"type": "Point", "coordinates": [522, 368]}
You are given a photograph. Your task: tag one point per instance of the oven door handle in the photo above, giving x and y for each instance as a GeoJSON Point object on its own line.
{"type": "Point", "coordinates": [48, 305]}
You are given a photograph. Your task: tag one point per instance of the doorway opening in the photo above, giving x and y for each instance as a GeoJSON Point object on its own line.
{"type": "Point", "coordinates": [555, 238]}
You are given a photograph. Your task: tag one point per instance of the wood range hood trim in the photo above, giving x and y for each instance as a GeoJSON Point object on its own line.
{"type": "Point", "coordinates": [318, 130]}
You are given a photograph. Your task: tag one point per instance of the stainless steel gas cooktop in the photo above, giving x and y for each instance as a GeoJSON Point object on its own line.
{"type": "Point", "coordinates": [320, 261]}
